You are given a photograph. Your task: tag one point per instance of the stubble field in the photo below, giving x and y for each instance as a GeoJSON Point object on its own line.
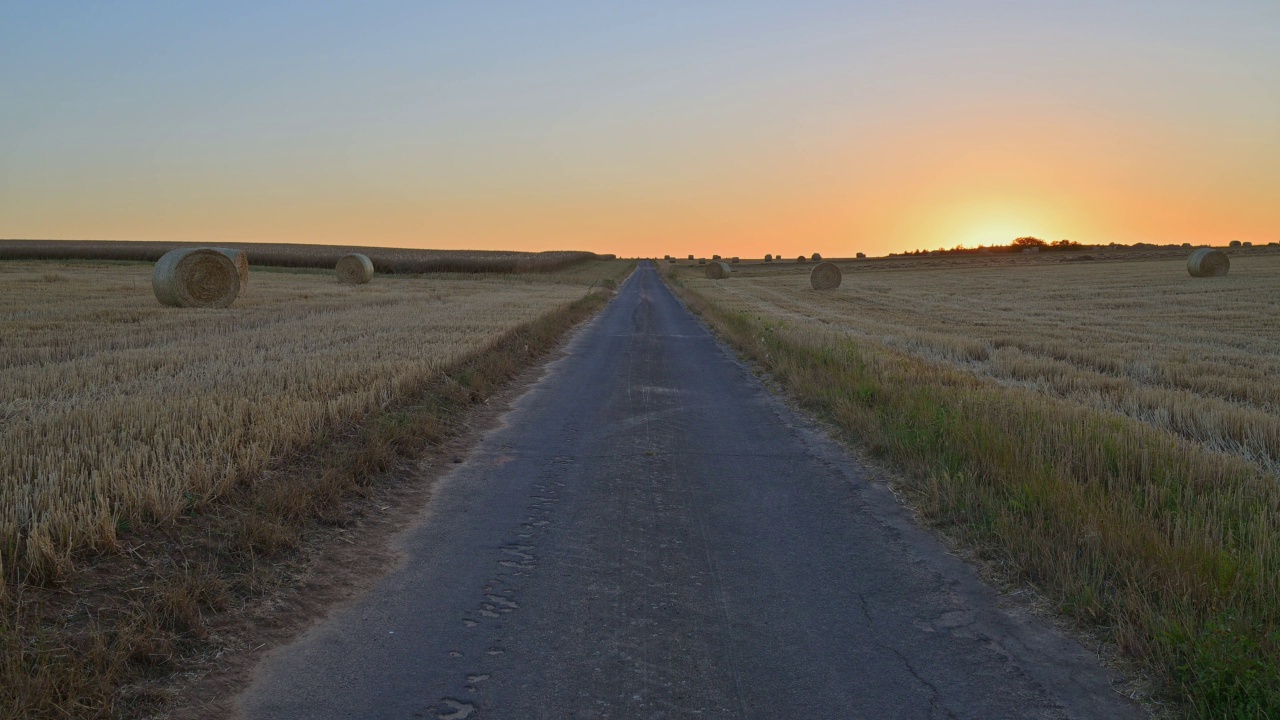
{"type": "Point", "coordinates": [1198, 358]}
{"type": "Point", "coordinates": [1106, 431]}
{"type": "Point", "coordinates": [115, 410]}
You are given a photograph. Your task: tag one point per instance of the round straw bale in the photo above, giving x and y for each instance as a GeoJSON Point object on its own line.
{"type": "Point", "coordinates": [816, 257]}
{"type": "Point", "coordinates": [354, 268]}
{"type": "Point", "coordinates": [718, 270]}
{"type": "Point", "coordinates": [241, 259]}
{"type": "Point", "coordinates": [825, 276]}
{"type": "Point", "coordinates": [734, 260]}
{"type": "Point", "coordinates": [1207, 262]}
{"type": "Point", "coordinates": [195, 277]}
{"type": "Point", "coordinates": [860, 256]}
{"type": "Point", "coordinates": [768, 257]}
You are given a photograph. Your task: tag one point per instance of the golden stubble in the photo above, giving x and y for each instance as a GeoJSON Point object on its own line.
{"type": "Point", "coordinates": [114, 409]}
{"type": "Point", "coordinates": [1198, 357]}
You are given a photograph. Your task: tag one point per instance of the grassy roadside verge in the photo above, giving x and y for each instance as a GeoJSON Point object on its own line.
{"type": "Point", "coordinates": [101, 643]}
{"type": "Point", "coordinates": [1168, 549]}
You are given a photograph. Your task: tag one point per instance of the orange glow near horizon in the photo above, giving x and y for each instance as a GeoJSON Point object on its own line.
{"type": "Point", "coordinates": [837, 130]}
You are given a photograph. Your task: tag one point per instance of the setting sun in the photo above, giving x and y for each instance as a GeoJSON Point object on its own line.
{"type": "Point", "coordinates": [876, 127]}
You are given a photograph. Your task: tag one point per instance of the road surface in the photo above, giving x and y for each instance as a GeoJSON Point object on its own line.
{"type": "Point", "coordinates": [651, 534]}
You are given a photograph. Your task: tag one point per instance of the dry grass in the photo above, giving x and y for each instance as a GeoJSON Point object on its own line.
{"type": "Point", "coordinates": [1107, 431]}
{"type": "Point", "coordinates": [1199, 358]}
{"type": "Point", "coordinates": [220, 450]}
{"type": "Point", "coordinates": [116, 410]}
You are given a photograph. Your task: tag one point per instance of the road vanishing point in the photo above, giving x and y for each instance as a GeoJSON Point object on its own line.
{"type": "Point", "coordinates": [651, 533]}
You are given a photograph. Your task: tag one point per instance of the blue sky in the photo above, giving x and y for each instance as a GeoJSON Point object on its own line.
{"type": "Point", "coordinates": [747, 127]}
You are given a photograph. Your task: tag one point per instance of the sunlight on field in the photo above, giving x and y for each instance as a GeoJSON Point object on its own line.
{"type": "Point", "coordinates": [1197, 357]}
{"type": "Point", "coordinates": [113, 408]}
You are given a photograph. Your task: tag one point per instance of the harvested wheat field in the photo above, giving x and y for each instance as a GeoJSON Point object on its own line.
{"type": "Point", "coordinates": [115, 409]}
{"type": "Point", "coordinates": [1196, 357]}
{"type": "Point", "coordinates": [1107, 432]}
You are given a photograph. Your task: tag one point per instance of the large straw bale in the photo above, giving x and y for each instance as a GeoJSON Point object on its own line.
{"type": "Point", "coordinates": [718, 270]}
{"type": "Point", "coordinates": [1207, 262]}
{"type": "Point", "coordinates": [354, 268]}
{"type": "Point", "coordinates": [825, 276]}
{"type": "Point", "coordinates": [196, 277]}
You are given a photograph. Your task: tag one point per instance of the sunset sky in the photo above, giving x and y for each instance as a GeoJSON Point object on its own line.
{"type": "Point", "coordinates": [642, 128]}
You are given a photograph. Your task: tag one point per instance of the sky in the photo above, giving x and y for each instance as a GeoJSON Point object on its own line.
{"type": "Point", "coordinates": [642, 128]}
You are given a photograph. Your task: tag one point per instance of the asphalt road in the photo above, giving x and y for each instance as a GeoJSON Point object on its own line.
{"type": "Point", "coordinates": [652, 534]}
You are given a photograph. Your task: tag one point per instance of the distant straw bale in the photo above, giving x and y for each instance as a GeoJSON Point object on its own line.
{"type": "Point", "coordinates": [718, 270]}
{"type": "Point", "coordinates": [861, 256]}
{"type": "Point", "coordinates": [354, 268]}
{"type": "Point", "coordinates": [816, 257]}
{"type": "Point", "coordinates": [825, 276]}
{"type": "Point", "coordinates": [800, 259]}
{"type": "Point", "coordinates": [768, 257]}
{"type": "Point", "coordinates": [196, 277]}
{"type": "Point", "coordinates": [734, 260]}
{"type": "Point", "coordinates": [1207, 262]}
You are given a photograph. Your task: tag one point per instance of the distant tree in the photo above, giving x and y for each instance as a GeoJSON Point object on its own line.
{"type": "Point", "coordinates": [1023, 243]}
{"type": "Point", "coordinates": [1064, 244]}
